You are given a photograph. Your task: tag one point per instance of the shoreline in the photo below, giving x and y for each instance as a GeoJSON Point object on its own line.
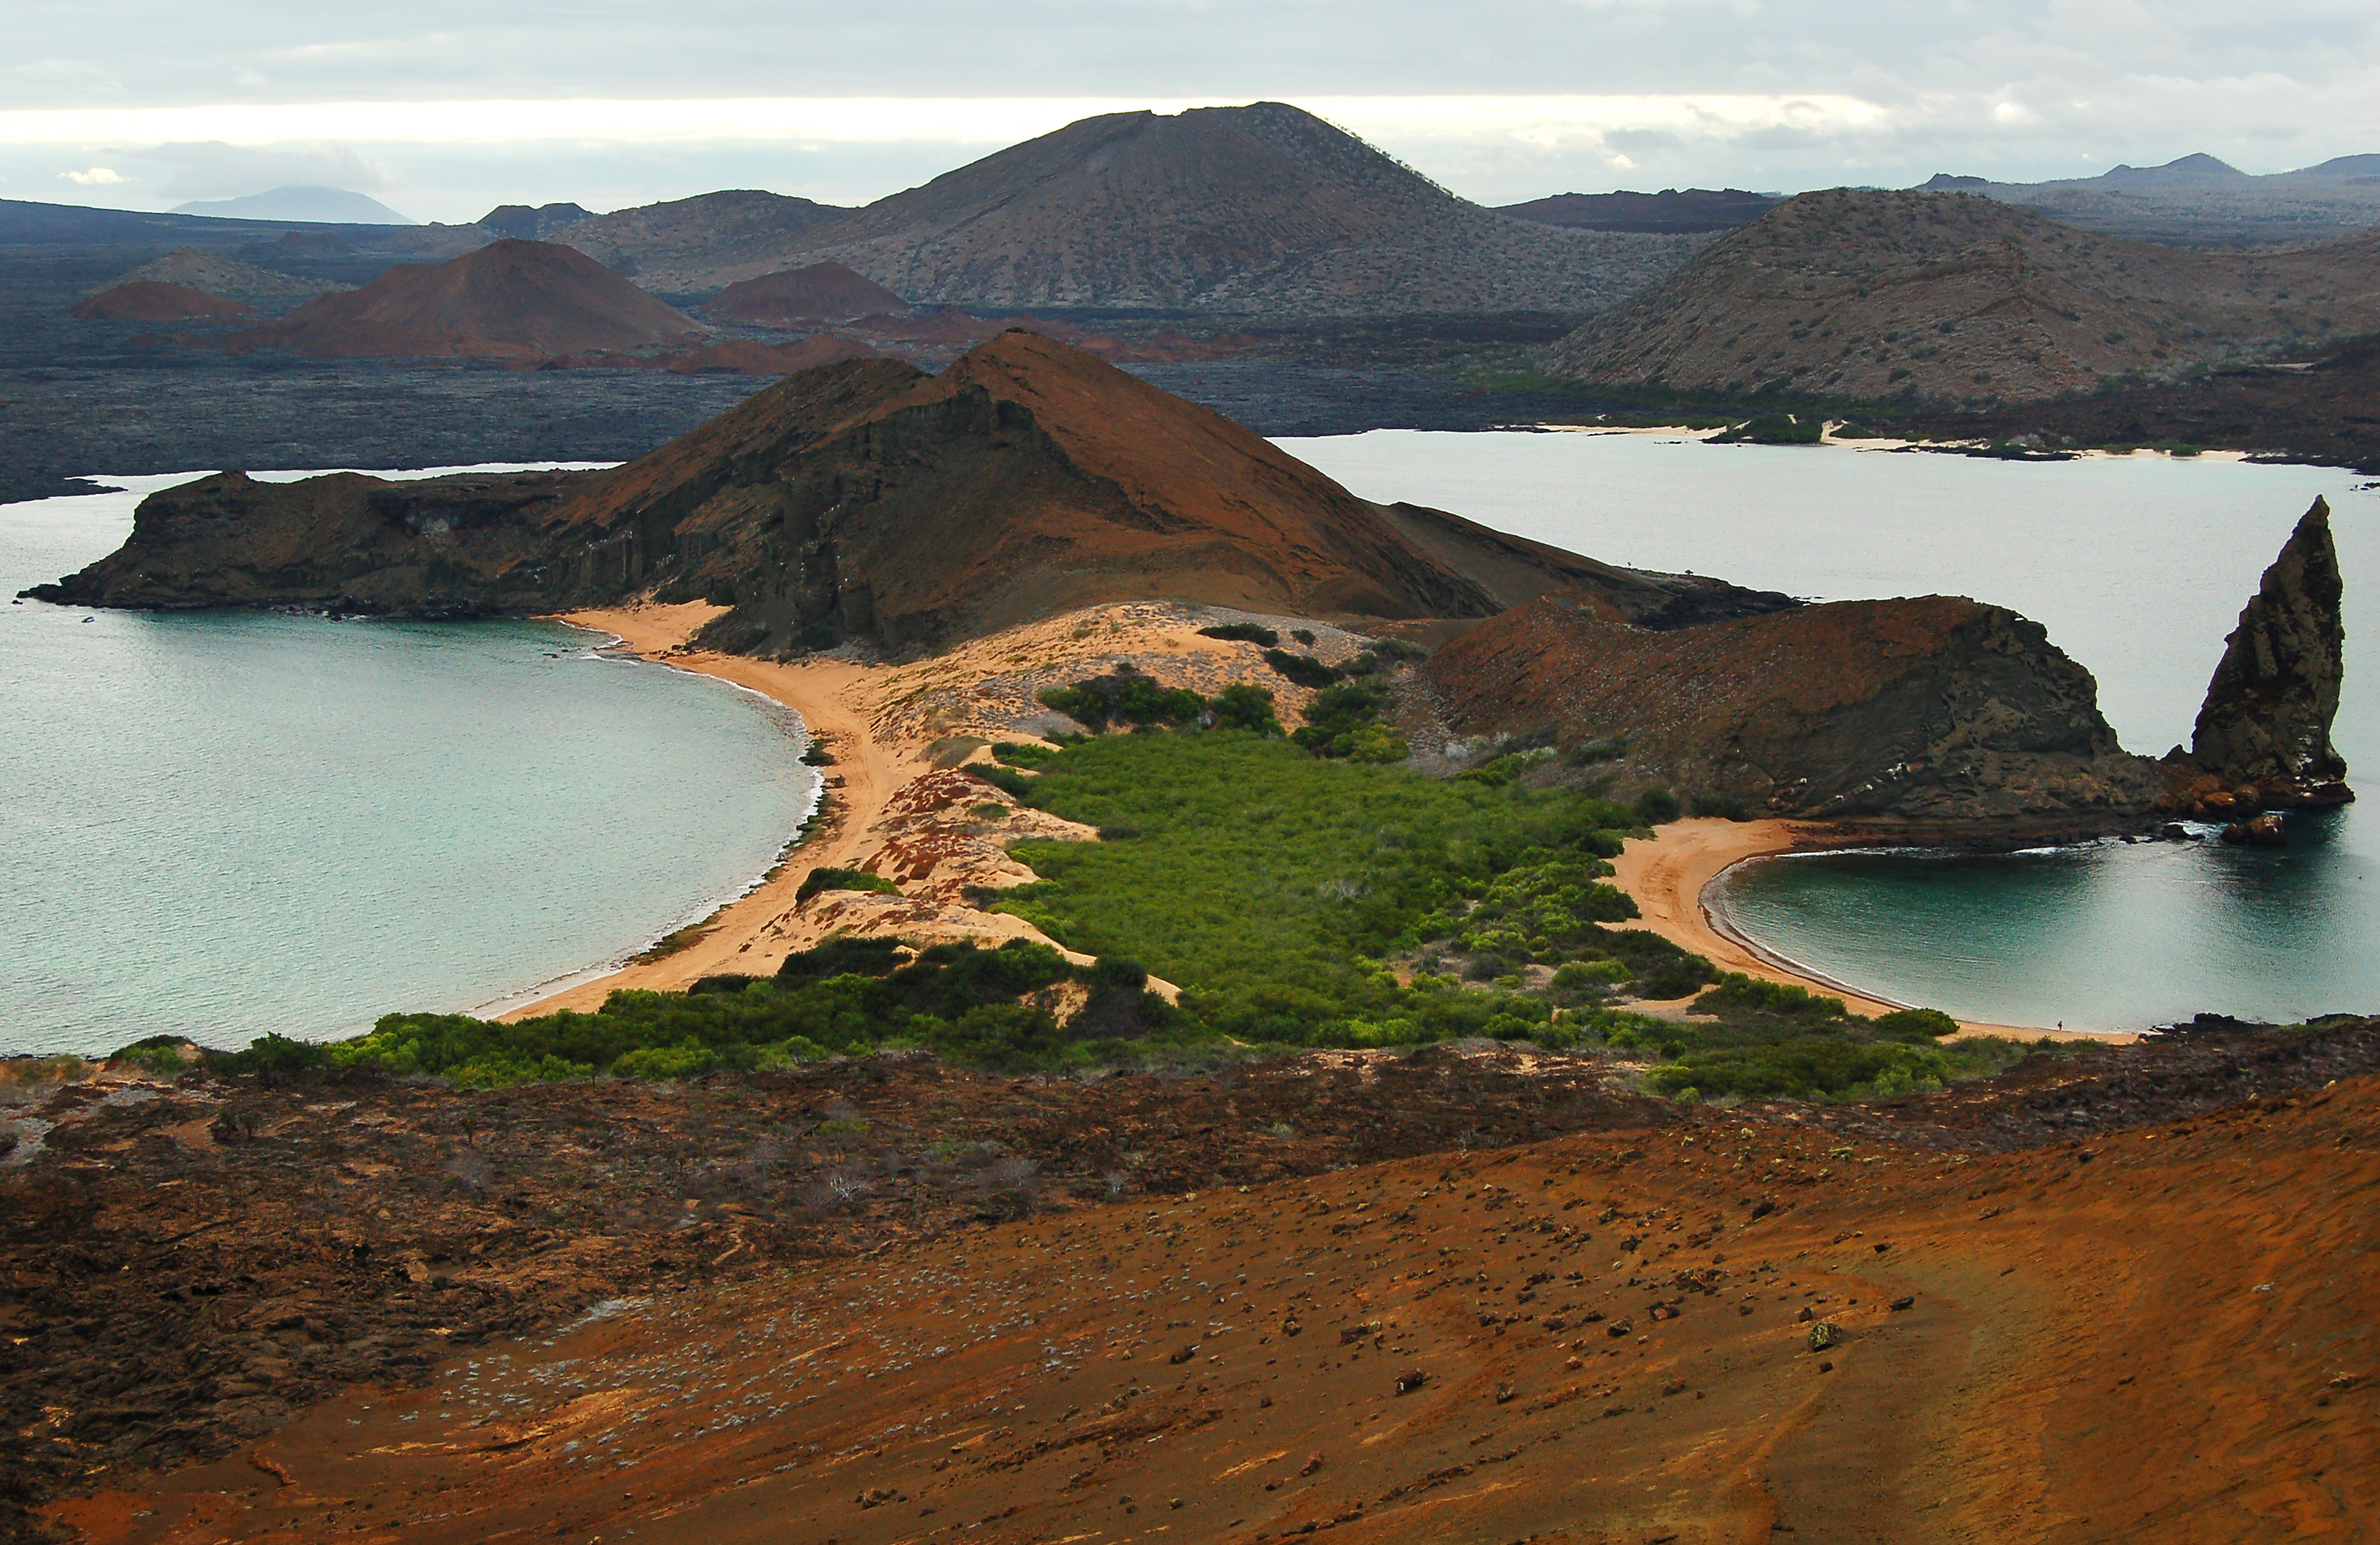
{"type": "Point", "coordinates": [1670, 873]}
{"type": "Point", "coordinates": [852, 792]}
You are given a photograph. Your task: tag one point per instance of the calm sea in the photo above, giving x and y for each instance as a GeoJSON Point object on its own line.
{"type": "Point", "coordinates": [2137, 566]}
{"type": "Point", "coordinates": [222, 824]}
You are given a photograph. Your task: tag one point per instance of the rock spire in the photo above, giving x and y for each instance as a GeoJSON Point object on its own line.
{"type": "Point", "coordinates": [2265, 724]}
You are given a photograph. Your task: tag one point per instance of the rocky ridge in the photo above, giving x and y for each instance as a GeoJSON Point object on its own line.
{"type": "Point", "coordinates": [1935, 710]}
{"type": "Point", "coordinates": [869, 500]}
{"type": "Point", "coordinates": [1955, 298]}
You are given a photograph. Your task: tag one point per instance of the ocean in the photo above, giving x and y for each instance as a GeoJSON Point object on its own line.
{"type": "Point", "coordinates": [223, 825]}
{"type": "Point", "coordinates": [2137, 566]}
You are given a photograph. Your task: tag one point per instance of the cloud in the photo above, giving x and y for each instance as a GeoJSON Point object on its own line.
{"type": "Point", "coordinates": [98, 176]}
{"type": "Point", "coordinates": [216, 169]}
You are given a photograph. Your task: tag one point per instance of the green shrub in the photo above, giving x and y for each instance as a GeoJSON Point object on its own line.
{"type": "Point", "coordinates": [1397, 650]}
{"type": "Point", "coordinates": [1304, 636]}
{"type": "Point", "coordinates": [842, 879]}
{"type": "Point", "coordinates": [1919, 1026]}
{"type": "Point", "coordinates": [1269, 884]}
{"type": "Point", "coordinates": [1242, 632]}
{"type": "Point", "coordinates": [1575, 974]}
{"type": "Point", "coordinates": [1804, 1067]}
{"type": "Point", "coordinates": [1593, 751]}
{"type": "Point", "coordinates": [1021, 753]}
{"type": "Point", "coordinates": [1017, 784]}
{"type": "Point", "coordinates": [1303, 669]}
{"type": "Point", "coordinates": [1738, 993]}
{"type": "Point", "coordinates": [1725, 807]}
{"type": "Point", "coordinates": [1125, 695]}
{"type": "Point", "coordinates": [1243, 707]}
{"type": "Point", "coordinates": [1658, 806]}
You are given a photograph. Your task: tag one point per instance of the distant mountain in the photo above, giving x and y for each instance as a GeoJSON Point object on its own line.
{"type": "Point", "coordinates": [824, 292]}
{"type": "Point", "coordinates": [1672, 210]}
{"type": "Point", "coordinates": [507, 300]}
{"type": "Point", "coordinates": [1954, 297]}
{"type": "Point", "coordinates": [327, 206]}
{"type": "Point", "coordinates": [2198, 200]}
{"type": "Point", "coordinates": [531, 224]}
{"type": "Point", "coordinates": [694, 246]}
{"type": "Point", "coordinates": [1259, 210]}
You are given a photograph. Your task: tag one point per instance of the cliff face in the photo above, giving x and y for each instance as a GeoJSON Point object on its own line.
{"type": "Point", "coordinates": [1937, 709]}
{"type": "Point", "coordinates": [866, 498]}
{"type": "Point", "coordinates": [2266, 724]}
{"type": "Point", "coordinates": [444, 547]}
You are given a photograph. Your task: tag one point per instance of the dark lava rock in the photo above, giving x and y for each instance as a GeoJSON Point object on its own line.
{"type": "Point", "coordinates": [2266, 724]}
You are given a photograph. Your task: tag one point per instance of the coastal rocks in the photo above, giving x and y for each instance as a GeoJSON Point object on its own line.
{"type": "Point", "coordinates": [2263, 831]}
{"type": "Point", "coordinates": [2262, 737]}
{"type": "Point", "coordinates": [1935, 708]}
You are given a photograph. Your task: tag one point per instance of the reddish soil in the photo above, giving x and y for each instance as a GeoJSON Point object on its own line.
{"type": "Point", "coordinates": [148, 301]}
{"type": "Point", "coordinates": [821, 292]}
{"type": "Point", "coordinates": [1936, 709]}
{"type": "Point", "coordinates": [2165, 1331]}
{"type": "Point", "coordinates": [508, 300]}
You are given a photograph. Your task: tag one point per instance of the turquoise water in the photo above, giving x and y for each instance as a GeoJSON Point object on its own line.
{"type": "Point", "coordinates": [2138, 566]}
{"type": "Point", "coordinates": [223, 824]}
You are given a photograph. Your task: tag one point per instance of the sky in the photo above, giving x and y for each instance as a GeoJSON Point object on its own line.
{"type": "Point", "coordinates": [441, 109]}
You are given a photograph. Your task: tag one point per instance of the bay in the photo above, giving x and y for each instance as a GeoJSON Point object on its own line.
{"type": "Point", "coordinates": [2138, 566]}
{"type": "Point", "coordinates": [223, 825]}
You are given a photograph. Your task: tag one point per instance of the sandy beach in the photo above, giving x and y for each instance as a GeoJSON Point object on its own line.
{"type": "Point", "coordinates": [896, 732]}
{"type": "Point", "coordinates": [1668, 872]}
{"type": "Point", "coordinates": [894, 804]}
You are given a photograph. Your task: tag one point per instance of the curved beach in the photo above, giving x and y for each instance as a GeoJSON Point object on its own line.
{"type": "Point", "coordinates": [1670, 873]}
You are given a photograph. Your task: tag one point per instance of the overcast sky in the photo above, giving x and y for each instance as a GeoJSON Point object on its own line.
{"type": "Point", "coordinates": [441, 109]}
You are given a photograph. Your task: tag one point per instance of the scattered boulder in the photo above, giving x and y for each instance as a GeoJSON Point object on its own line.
{"type": "Point", "coordinates": [1824, 1336]}
{"type": "Point", "coordinates": [2263, 831]}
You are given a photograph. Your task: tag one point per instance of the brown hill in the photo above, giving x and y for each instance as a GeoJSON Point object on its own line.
{"type": "Point", "coordinates": [2080, 1302]}
{"type": "Point", "coordinates": [1244, 209]}
{"type": "Point", "coordinates": [750, 357]}
{"type": "Point", "coordinates": [507, 300]}
{"type": "Point", "coordinates": [1030, 478]}
{"type": "Point", "coordinates": [1937, 709]}
{"type": "Point", "coordinates": [867, 498]}
{"type": "Point", "coordinates": [821, 292]}
{"type": "Point", "coordinates": [148, 301]}
{"type": "Point", "coordinates": [1672, 210]}
{"type": "Point", "coordinates": [678, 247]}
{"type": "Point", "coordinates": [1953, 297]}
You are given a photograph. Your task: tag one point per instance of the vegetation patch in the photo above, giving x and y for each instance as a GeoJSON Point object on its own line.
{"type": "Point", "coordinates": [1275, 886]}
{"type": "Point", "coordinates": [1242, 632]}
{"type": "Point", "coordinates": [990, 1008]}
{"type": "Point", "coordinates": [842, 880]}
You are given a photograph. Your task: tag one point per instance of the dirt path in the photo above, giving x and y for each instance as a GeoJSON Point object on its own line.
{"type": "Point", "coordinates": [1668, 872]}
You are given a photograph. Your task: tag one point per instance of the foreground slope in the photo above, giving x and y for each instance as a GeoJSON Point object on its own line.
{"type": "Point", "coordinates": [510, 299]}
{"type": "Point", "coordinates": [866, 499]}
{"type": "Point", "coordinates": [1953, 297]}
{"type": "Point", "coordinates": [1740, 1327]}
{"type": "Point", "coordinates": [1247, 210]}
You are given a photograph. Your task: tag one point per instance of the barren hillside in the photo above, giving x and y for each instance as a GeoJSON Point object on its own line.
{"type": "Point", "coordinates": [1953, 297]}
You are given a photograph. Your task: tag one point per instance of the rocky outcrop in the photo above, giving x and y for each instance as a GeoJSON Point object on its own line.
{"type": "Point", "coordinates": [1937, 709]}
{"type": "Point", "coordinates": [867, 499]}
{"type": "Point", "coordinates": [2264, 730]}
